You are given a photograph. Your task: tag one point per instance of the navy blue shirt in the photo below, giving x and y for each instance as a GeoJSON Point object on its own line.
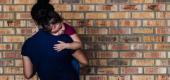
{"type": "Point", "coordinates": [49, 63]}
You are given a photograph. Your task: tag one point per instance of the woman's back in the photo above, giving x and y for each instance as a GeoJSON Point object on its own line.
{"type": "Point", "coordinates": [50, 64]}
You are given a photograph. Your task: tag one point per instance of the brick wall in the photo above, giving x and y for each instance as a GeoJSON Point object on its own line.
{"type": "Point", "coordinates": [124, 39]}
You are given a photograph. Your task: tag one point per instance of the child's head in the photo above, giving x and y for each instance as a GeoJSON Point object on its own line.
{"type": "Point", "coordinates": [44, 14]}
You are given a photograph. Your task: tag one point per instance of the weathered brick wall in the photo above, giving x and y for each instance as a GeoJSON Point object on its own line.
{"type": "Point", "coordinates": [124, 39]}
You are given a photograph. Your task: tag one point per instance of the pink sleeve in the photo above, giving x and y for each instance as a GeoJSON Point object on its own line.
{"type": "Point", "coordinates": [69, 29]}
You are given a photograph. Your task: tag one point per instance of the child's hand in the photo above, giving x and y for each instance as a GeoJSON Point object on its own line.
{"type": "Point", "coordinates": [59, 47]}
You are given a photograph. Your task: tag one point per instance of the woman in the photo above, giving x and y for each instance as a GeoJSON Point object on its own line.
{"type": "Point", "coordinates": [50, 21]}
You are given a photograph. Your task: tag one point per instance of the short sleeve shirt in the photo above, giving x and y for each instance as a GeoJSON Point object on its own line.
{"type": "Point", "coordinates": [50, 64]}
{"type": "Point", "coordinates": [69, 29]}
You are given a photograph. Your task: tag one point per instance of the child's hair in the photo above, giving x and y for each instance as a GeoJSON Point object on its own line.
{"type": "Point", "coordinates": [44, 14]}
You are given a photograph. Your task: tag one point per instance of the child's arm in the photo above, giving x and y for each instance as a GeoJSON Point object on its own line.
{"type": "Point", "coordinates": [76, 44]}
{"type": "Point", "coordinates": [79, 55]}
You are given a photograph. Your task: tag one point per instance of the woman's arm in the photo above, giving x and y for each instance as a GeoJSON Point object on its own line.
{"type": "Point", "coordinates": [28, 67]}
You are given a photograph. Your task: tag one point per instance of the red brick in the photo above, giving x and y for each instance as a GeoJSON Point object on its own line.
{"type": "Point", "coordinates": [11, 55]}
{"type": "Point", "coordinates": [17, 46]}
{"type": "Point", "coordinates": [83, 23]}
{"type": "Point", "coordinates": [155, 23]}
{"type": "Point", "coordinates": [95, 1]}
{"type": "Point", "coordinates": [155, 70]}
{"type": "Point", "coordinates": [6, 77]}
{"type": "Point", "coordinates": [161, 46]}
{"type": "Point", "coordinates": [96, 15]}
{"type": "Point", "coordinates": [168, 7]}
{"type": "Point", "coordinates": [120, 31]}
{"type": "Point", "coordinates": [168, 22]}
{"type": "Point", "coordinates": [5, 1]}
{"type": "Point", "coordinates": [106, 23]}
{"type": "Point", "coordinates": [98, 62]}
{"type": "Point", "coordinates": [108, 71]}
{"type": "Point", "coordinates": [119, 62]}
{"type": "Point", "coordinates": [154, 54]}
{"type": "Point", "coordinates": [32, 24]}
{"type": "Point", "coordinates": [162, 77]}
{"type": "Point", "coordinates": [119, 77]}
{"type": "Point", "coordinates": [127, 7]}
{"type": "Point", "coordinates": [0, 8]}
{"type": "Point", "coordinates": [131, 70]}
{"type": "Point", "coordinates": [148, 47]}
{"type": "Point", "coordinates": [1, 70]}
{"type": "Point", "coordinates": [130, 39]}
{"type": "Point", "coordinates": [10, 8]}
{"type": "Point", "coordinates": [105, 39]}
{"type": "Point", "coordinates": [154, 7]}
{"type": "Point", "coordinates": [136, 46]}
{"type": "Point", "coordinates": [15, 23]}
{"type": "Point", "coordinates": [1, 24]}
{"type": "Point", "coordinates": [0, 54]}
{"type": "Point", "coordinates": [1, 39]}
{"type": "Point", "coordinates": [80, 30]}
{"type": "Point", "coordinates": [95, 46]}
{"type": "Point", "coordinates": [62, 7]}
{"type": "Point", "coordinates": [71, 1]}
{"type": "Point", "coordinates": [118, 46]}
{"type": "Point", "coordinates": [167, 15]}
{"type": "Point", "coordinates": [23, 16]}
{"type": "Point", "coordinates": [131, 54]}
{"type": "Point", "coordinates": [13, 70]}
{"type": "Point", "coordinates": [106, 54]}
{"type": "Point", "coordinates": [160, 15]}
{"type": "Point", "coordinates": [54, 1]}
{"type": "Point", "coordinates": [25, 1]}
{"type": "Point", "coordinates": [130, 23]}
{"type": "Point", "coordinates": [119, 15]}
{"type": "Point", "coordinates": [21, 77]}
{"type": "Point", "coordinates": [29, 7]}
{"type": "Point", "coordinates": [90, 54]}
{"type": "Point", "coordinates": [168, 54]}
{"type": "Point", "coordinates": [163, 15]}
{"type": "Point", "coordinates": [97, 31]}
{"type": "Point", "coordinates": [86, 38]}
{"type": "Point", "coordinates": [6, 15]}
{"type": "Point", "coordinates": [18, 62]}
{"type": "Point", "coordinates": [6, 62]}
{"type": "Point", "coordinates": [143, 15]}
{"type": "Point", "coordinates": [142, 77]}
{"type": "Point", "coordinates": [88, 70]}
{"type": "Point", "coordinates": [25, 31]}
{"type": "Point", "coordinates": [73, 15]}
{"type": "Point", "coordinates": [141, 1]}
{"type": "Point", "coordinates": [162, 62]}
{"type": "Point", "coordinates": [13, 39]}
{"type": "Point", "coordinates": [106, 7]}
{"type": "Point", "coordinates": [143, 30]}
{"type": "Point", "coordinates": [154, 39]}
{"type": "Point", "coordinates": [83, 7]}
{"type": "Point", "coordinates": [162, 30]}
{"type": "Point", "coordinates": [136, 62]}
{"type": "Point", "coordinates": [5, 46]}
{"type": "Point", "coordinates": [96, 77]}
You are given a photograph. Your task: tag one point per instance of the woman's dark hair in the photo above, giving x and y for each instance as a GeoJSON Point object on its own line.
{"type": "Point", "coordinates": [44, 14]}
